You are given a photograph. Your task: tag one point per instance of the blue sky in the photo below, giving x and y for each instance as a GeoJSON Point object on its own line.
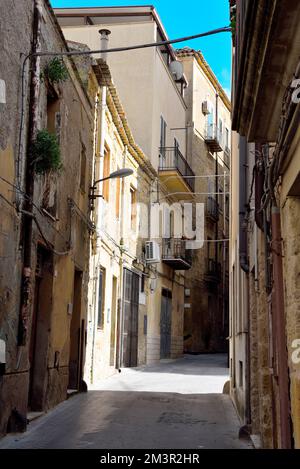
{"type": "Point", "coordinates": [185, 18]}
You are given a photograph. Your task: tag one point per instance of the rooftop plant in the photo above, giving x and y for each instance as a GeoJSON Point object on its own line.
{"type": "Point", "coordinates": [56, 71]}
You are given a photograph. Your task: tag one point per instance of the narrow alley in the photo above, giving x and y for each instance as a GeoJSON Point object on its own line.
{"type": "Point", "coordinates": [175, 404]}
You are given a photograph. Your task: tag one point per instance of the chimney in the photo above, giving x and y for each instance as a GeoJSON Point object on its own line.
{"type": "Point", "coordinates": [104, 33]}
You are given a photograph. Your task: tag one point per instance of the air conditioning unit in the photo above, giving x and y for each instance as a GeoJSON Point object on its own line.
{"type": "Point", "coordinates": [152, 252]}
{"type": "Point", "coordinates": [205, 108]}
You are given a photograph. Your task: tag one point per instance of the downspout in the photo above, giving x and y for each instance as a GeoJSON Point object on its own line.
{"type": "Point", "coordinates": [27, 221]}
{"type": "Point", "coordinates": [104, 45]}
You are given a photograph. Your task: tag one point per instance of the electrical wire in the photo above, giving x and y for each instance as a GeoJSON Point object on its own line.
{"type": "Point", "coordinates": [90, 52]}
{"type": "Point", "coordinates": [35, 206]}
{"type": "Point", "coordinates": [225, 29]}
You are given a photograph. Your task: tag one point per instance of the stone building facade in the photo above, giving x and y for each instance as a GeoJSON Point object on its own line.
{"type": "Point", "coordinates": [153, 100]}
{"type": "Point", "coordinates": [264, 251]}
{"type": "Point", "coordinates": [46, 154]}
{"type": "Point", "coordinates": [118, 288]}
{"type": "Point", "coordinates": [208, 129]}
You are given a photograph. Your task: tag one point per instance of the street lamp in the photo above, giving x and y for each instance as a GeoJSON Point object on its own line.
{"type": "Point", "coordinates": [120, 174]}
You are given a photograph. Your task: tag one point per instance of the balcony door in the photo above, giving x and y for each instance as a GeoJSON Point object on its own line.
{"type": "Point", "coordinates": [130, 319]}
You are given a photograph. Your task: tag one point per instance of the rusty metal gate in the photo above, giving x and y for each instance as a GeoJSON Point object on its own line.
{"type": "Point", "coordinates": [130, 319]}
{"type": "Point", "coordinates": [165, 324]}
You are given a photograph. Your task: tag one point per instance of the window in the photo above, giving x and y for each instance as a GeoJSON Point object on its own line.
{"type": "Point", "coordinates": [53, 116]}
{"type": "Point", "coordinates": [83, 168]}
{"type": "Point", "coordinates": [106, 173]}
{"type": "Point", "coordinates": [241, 373]}
{"type": "Point", "coordinates": [101, 299]}
{"type": "Point", "coordinates": [133, 208]}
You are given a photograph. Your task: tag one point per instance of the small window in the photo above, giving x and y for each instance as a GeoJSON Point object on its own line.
{"type": "Point", "coordinates": [83, 168]}
{"type": "Point", "coordinates": [241, 373]}
{"type": "Point", "coordinates": [101, 299]}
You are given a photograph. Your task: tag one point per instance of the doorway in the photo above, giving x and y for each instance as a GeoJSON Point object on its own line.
{"type": "Point", "coordinates": [165, 324]}
{"type": "Point", "coordinates": [40, 327]}
{"type": "Point", "coordinates": [130, 319]}
{"type": "Point", "coordinates": [77, 331]}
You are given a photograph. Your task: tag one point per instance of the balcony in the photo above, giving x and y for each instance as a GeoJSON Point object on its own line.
{"type": "Point", "coordinates": [213, 138]}
{"type": "Point", "coordinates": [175, 254]}
{"type": "Point", "coordinates": [175, 173]}
{"type": "Point", "coordinates": [212, 209]}
{"type": "Point", "coordinates": [213, 271]}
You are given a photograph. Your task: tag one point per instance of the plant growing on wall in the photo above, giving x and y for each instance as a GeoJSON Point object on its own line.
{"type": "Point", "coordinates": [45, 152]}
{"type": "Point", "coordinates": [56, 71]}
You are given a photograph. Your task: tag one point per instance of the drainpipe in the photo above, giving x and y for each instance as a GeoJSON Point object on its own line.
{"type": "Point", "coordinates": [279, 313]}
{"type": "Point", "coordinates": [27, 222]}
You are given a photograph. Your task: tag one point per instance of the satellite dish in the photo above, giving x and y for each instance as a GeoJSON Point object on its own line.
{"type": "Point", "coordinates": [176, 68]}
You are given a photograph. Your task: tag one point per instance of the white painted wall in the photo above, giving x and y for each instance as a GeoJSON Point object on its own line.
{"type": "Point", "coordinates": [145, 85]}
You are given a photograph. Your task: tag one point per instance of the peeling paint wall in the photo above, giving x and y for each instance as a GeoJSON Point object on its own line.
{"type": "Point", "coordinates": [75, 129]}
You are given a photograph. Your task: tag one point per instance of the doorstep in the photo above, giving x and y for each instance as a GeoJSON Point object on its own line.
{"type": "Point", "coordinates": [72, 392]}
{"type": "Point", "coordinates": [31, 416]}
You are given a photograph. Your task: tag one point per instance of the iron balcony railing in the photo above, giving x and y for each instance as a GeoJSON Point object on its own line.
{"type": "Point", "coordinates": [171, 158]}
{"type": "Point", "coordinates": [213, 270]}
{"type": "Point", "coordinates": [214, 137]}
{"type": "Point", "coordinates": [174, 252]}
{"type": "Point", "coordinates": [212, 208]}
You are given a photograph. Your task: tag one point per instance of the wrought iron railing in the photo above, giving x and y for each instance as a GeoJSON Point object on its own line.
{"type": "Point", "coordinates": [213, 133]}
{"type": "Point", "coordinates": [174, 248]}
{"type": "Point", "coordinates": [171, 158]}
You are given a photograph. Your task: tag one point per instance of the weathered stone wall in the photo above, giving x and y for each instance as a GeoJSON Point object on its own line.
{"type": "Point", "coordinates": [291, 243]}
{"type": "Point", "coordinates": [15, 38]}
{"type": "Point", "coordinates": [76, 121]}
{"type": "Point", "coordinates": [263, 413]}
